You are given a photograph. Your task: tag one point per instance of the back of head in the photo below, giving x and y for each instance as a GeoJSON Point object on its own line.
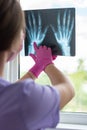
{"type": "Point", "coordinates": [11, 22]}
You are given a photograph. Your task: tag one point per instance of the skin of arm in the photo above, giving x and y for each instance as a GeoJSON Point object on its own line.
{"type": "Point", "coordinates": [61, 83]}
{"type": "Point", "coordinates": [28, 75]}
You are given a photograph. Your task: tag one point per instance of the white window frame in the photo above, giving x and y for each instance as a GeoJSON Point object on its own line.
{"type": "Point", "coordinates": [11, 71]}
{"type": "Point", "coordinates": [72, 121]}
{"type": "Point", "coordinates": [73, 118]}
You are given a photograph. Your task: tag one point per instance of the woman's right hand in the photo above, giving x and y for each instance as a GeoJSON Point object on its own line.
{"type": "Point", "coordinates": [42, 58]}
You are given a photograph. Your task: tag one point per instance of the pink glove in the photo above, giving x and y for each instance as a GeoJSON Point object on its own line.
{"type": "Point", "coordinates": [54, 57]}
{"type": "Point", "coordinates": [42, 58]}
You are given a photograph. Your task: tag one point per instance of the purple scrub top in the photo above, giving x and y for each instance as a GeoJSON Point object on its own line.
{"type": "Point", "coordinates": [26, 105]}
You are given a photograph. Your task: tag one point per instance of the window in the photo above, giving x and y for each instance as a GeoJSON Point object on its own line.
{"type": "Point", "coordinates": [75, 67]}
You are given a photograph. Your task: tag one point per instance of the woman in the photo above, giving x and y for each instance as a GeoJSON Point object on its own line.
{"type": "Point", "coordinates": [25, 105]}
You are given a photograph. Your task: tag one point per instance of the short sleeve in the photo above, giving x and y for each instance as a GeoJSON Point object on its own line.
{"type": "Point", "coordinates": [39, 105]}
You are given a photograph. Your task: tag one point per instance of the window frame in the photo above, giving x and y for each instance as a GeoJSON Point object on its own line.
{"type": "Point", "coordinates": [11, 71]}
{"type": "Point", "coordinates": [73, 118]}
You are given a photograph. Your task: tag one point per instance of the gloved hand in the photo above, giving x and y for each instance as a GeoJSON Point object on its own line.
{"type": "Point", "coordinates": [42, 58]}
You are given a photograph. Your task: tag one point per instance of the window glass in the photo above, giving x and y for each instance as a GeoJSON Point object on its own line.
{"type": "Point", "coordinates": [75, 66]}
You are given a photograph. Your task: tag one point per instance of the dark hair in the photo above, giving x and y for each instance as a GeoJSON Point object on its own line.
{"type": "Point", "coordinates": [11, 22]}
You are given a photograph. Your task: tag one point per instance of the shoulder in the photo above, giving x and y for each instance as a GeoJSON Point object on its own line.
{"type": "Point", "coordinates": [30, 88]}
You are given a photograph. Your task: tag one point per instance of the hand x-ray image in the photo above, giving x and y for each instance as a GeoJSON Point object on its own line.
{"type": "Point", "coordinates": [54, 28]}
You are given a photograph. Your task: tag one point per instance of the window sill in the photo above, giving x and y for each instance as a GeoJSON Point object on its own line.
{"type": "Point", "coordinates": [71, 127]}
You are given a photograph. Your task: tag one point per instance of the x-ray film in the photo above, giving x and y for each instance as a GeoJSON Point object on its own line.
{"type": "Point", "coordinates": [54, 28]}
